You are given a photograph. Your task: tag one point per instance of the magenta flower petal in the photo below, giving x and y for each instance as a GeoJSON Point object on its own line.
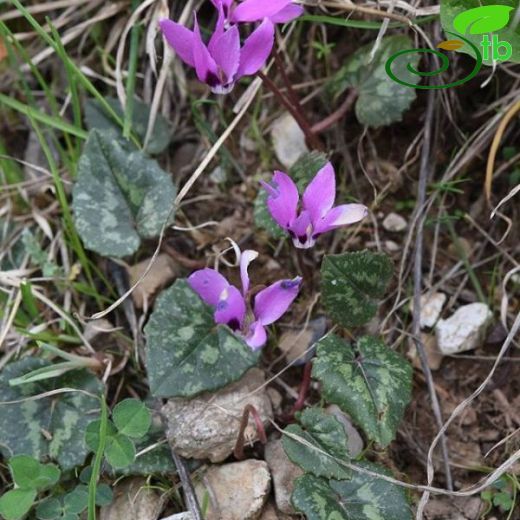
{"type": "Point", "coordinates": [273, 301]}
{"type": "Point", "coordinates": [245, 259]}
{"type": "Point", "coordinates": [225, 50]}
{"type": "Point", "coordinates": [302, 231]}
{"type": "Point", "coordinates": [180, 39]}
{"type": "Point", "coordinates": [256, 49]}
{"type": "Point", "coordinates": [231, 308]}
{"type": "Point", "coordinates": [208, 284]}
{"type": "Point", "coordinates": [219, 28]}
{"type": "Point", "coordinates": [254, 10]}
{"type": "Point", "coordinates": [257, 335]}
{"type": "Point", "coordinates": [205, 66]}
{"type": "Point", "coordinates": [341, 216]}
{"type": "Point", "coordinates": [283, 199]}
{"type": "Point", "coordinates": [319, 195]}
{"type": "Point", "coordinates": [287, 14]}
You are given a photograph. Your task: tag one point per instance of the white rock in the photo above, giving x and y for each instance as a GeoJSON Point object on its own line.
{"type": "Point", "coordinates": [355, 443]}
{"type": "Point", "coordinates": [186, 515]}
{"type": "Point", "coordinates": [284, 472]}
{"type": "Point", "coordinates": [207, 426]}
{"type": "Point", "coordinates": [464, 330]}
{"type": "Point", "coordinates": [394, 222]}
{"type": "Point", "coordinates": [288, 140]}
{"type": "Point", "coordinates": [391, 246]}
{"type": "Point", "coordinates": [431, 307]}
{"type": "Point", "coordinates": [236, 491]}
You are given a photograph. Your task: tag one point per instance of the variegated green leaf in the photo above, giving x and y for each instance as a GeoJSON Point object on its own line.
{"type": "Point", "coordinates": [302, 172]}
{"type": "Point", "coordinates": [369, 381]}
{"type": "Point", "coordinates": [120, 196]}
{"type": "Point", "coordinates": [363, 497]}
{"type": "Point", "coordinates": [52, 427]}
{"type": "Point", "coordinates": [187, 353]}
{"type": "Point", "coordinates": [319, 444]}
{"type": "Point", "coordinates": [352, 283]}
{"type": "Point", "coordinates": [160, 138]}
{"type": "Point", "coordinates": [380, 101]}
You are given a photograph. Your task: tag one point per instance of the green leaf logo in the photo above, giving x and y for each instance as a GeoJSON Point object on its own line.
{"type": "Point", "coordinates": [481, 20]}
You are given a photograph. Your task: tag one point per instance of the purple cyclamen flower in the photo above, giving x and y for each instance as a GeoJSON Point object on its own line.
{"type": "Point", "coordinates": [317, 214]}
{"type": "Point", "coordinates": [230, 304]}
{"type": "Point", "coordinates": [223, 61]}
{"type": "Point", "coordinates": [278, 11]}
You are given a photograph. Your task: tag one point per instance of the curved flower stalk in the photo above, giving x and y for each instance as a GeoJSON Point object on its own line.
{"type": "Point", "coordinates": [231, 305]}
{"type": "Point", "coordinates": [278, 11]}
{"type": "Point", "coordinates": [223, 61]}
{"type": "Point", "coordinates": [318, 213]}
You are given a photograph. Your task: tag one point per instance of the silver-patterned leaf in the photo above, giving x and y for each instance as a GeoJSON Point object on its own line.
{"type": "Point", "coordinates": [380, 101]}
{"type": "Point", "coordinates": [328, 443]}
{"type": "Point", "coordinates": [120, 196]}
{"type": "Point", "coordinates": [363, 497]}
{"type": "Point", "coordinates": [95, 117]}
{"type": "Point", "coordinates": [369, 381]}
{"type": "Point", "coordinates": [186, 352]}
{"type": "Point", "coordinates": [52, 427]}
{"type": "Point", "coordinates": [351, 284]}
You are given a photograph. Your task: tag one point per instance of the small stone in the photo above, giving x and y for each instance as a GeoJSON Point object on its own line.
{"type": "Point", "coordinates": [186, 515]}
{"type": "Point", "coordinates": [133, 498]}
{"type": "Point", "coordinates": [284, 473]}
{"type": "Point", "coordinates": [394, 223]}
{"type": "Point", "coordinates": [288, 140]}
{"type": "Point", "coordinates": [464, 330]}
{"type": "Point", "coordinates": [236, 491]}
{"type": "Point", "coordinates": [269, 512]}
{"type": "Point", "coordinates": [207, 426]}
{"type": "Point", "coordinates": [355, 443]}
{"type": "Point", "coordinates": [276, 399]}
{"type": "Point", "coordinates": [391, 246]}
{"type": "Point", "coordinates": [163, 270]}
{"type": "Point", "coordinates": [297, 344]}
{"type": "Point", "coordinates": [431, 307]}
{"type": "Point", "coordinates": [433, 355]}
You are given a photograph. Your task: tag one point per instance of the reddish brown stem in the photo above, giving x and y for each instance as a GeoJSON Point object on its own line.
{"type": "Point", "coordinates": [337, 115]}
{"type": "Point", "coordinates": [239, 446]}
{"type": "Point", "coordinates": [304, 390]}
{"type": "Point", "coordinates": [312, 139]}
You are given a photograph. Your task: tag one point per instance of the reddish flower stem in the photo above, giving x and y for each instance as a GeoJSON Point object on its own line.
{"type": "Point", "coordinates": [239, 446]}
{"type": "Point", "coordinates": [337, 115]}
{"type": "Point", "coordinates": [304, 390]}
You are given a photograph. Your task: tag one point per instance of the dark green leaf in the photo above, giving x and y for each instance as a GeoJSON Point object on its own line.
{"type": "Point", "coordinates": [363, 497]}
{"type": "Point", "coordinates": [119, 451]}
{"type": "Point", "coordinates": [187, 353]}
{"type": "Point", "coordinates": [63, 417]}
{"type": "Point", "coordinates": [132, 418]}
{"type": "Point", "coordinates": [92, 434]}
{"type": "Point", "coordinates": [49, 509]}
{"type": "Point", "coordinates": [370, 382]}
{"type": "Point", "coordinates": [104, 495]}
{"type": "Point", "coordinates": [328, 443]}
{"type": "Point", "coordinates": [351, 284]}
{"type": "Point", "coordinates": [16, 503]}
{"type": "Point", "coordinates": [28, 473]}
{"type": "Point", "coordinates": [160, 138]}
{"type": "Point", "coordinates": [380, 101]}
{"type": "Point", "coordinates": [77, 500]}
{"type": "Point", "coordinates": [120, 196]}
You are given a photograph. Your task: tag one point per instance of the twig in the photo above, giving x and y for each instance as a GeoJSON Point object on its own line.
{"type": "Point", "coordinates": [239, 446]}
{"type": "Point", "coordinates": [337, 115]}
{"type": "Point", "coordinates": [189, 493]}
{"type": "Point", "coordinates": [425, 170]}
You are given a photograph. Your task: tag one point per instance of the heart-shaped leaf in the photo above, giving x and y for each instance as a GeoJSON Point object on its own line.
{"type": "Point", "coordinates": [119, 451]}
{"type": "Point", "coordinates": [120, 196]}
{"type": "Point", "coordinates": [28, 473]}
{"type": "Point", "coordinates": [132, 418]}
{"type": "Point", "coordinates": [363, 497]}
{"type": "Point", "coordinates": [351, 284]}
{"type": "Point", "coordinates": [15, 504]}
{"type": "Point", "coordinates": [51, 427]}
{"type": "Point", "coordinates": [328, 442]}
{"type": "Point", "coordinates": [370, 382]}
{"type": "Point", "coordinates": [160, 138]}
{"type": "Point", "coordinates": [380, 101]}
{"type": "Point", "coordinates": [186, 352]}
{"type": "Point", "coordinates": [482, 20]}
